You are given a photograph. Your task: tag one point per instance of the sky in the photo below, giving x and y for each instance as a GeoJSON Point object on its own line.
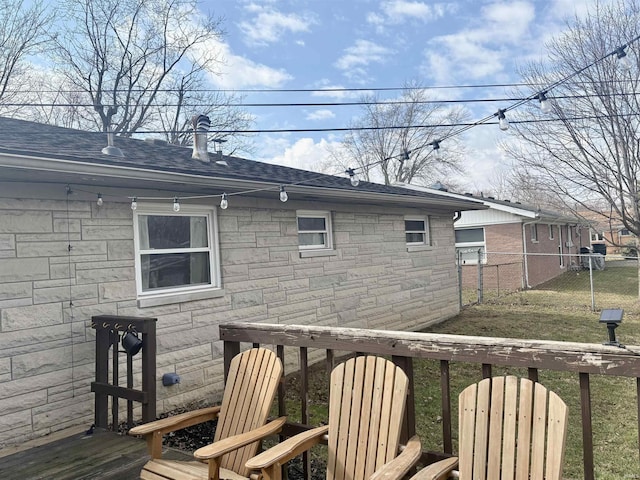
{"type": "Point", "coordinates": [364, 44]}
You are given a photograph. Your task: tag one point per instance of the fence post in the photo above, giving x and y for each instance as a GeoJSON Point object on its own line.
{"type": "Point", "coordinates": [480, 279]}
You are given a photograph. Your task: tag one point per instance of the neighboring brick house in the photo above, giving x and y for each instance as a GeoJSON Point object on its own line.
{"type": "Point", "coordinates": [519, 246]}
{"type": "Point", "coordinates": [72, 246]}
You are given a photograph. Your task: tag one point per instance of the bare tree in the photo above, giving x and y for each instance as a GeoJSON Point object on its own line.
{"type": "Point", "coordinates": [122, 54]}
{"type": "Point", "coordinates": [587, 150]}
{"type": "Point", "coordinates": [397, 140]}
{"type": "Point", "coordinates": [23, 33]}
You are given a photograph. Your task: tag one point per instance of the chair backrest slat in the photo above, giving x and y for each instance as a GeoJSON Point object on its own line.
{"type": "Point", "coordinates": [366, 409]}
{"type": "Point", "coordinates": [493, 445]}
{"type": "Point", "coordinates": [248, 395]}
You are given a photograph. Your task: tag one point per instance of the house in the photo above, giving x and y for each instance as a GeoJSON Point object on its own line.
{"type": "Point", "coordinates": [94, 225]}
{"type": "Point", "coordinates": [519, 246]}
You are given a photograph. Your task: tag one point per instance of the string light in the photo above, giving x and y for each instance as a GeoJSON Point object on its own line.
{"type": "Point", "coordinates": [355, 181]}
{"type": "Point", "coordinates": [503, 123]}
{"type": "Point", "coordinates": [176, 204]}
{"type": "Point", "coordinates": [100, 201]}
{"type": "Point", "coordinates": [545, 106]}
{"type": "Point", "coordinates": [623, 59]}
{"type": "Point", "coordinates": [134, 203]}
{"type": "Point", "coordinates": [283, 194]}
{"type": "Point", "coordinates": [224, 203]}
{"type": "Point", "coordinates": [436, 148]}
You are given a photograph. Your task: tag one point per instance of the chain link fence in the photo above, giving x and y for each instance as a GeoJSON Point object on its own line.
{"type": "Point", "coordinates": [591, 279]}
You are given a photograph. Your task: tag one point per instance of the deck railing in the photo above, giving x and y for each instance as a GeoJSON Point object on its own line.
{"type": "Point", "coordinates": [581, 358]}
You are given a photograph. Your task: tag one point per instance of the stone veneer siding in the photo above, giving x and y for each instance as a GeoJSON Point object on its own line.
{"type": "Point", "coordinates": [47, 348]}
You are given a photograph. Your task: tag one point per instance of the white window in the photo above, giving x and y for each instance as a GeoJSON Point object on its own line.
{"type": "Point", "coordinates": [314, 230]}
{"type": "Point", "coordinates": [470, 245]}
{"type": "Point", "coordinates": [176, 252]}
{"type": "Point", "coordinates": [416, 230]}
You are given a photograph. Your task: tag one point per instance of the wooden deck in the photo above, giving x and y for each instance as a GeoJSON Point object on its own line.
{"type": "Point", "coordinates": [102, 455]}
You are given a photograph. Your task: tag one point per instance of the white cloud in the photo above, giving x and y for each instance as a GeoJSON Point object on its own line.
{"type": "Point", "coordinates": [305, 153]}
{"type": "Point", "coordinates": [359, 56]}
{"type": "Point", "coordinates": [269, 25]}
{"type": "Point", "coordinates": [322, 114]}
{"type": "Point", "coordinates": [241, 72]}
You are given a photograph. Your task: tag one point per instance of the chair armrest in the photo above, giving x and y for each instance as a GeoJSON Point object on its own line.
{"type": "Point", "coordinates": [399, 466]}
{"type": "Point", "coordinates": [176, 422]}
{"type": "Point", "coordinates": [290, 448]}
{"type": "Point", "coordinates": [235, 442]}
{"type": "Point", "coordinates": [438, 470]}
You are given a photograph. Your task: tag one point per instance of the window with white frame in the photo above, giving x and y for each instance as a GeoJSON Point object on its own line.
{"type": "Point", "coordinates": [314, 230]}
{"type": "Point", "coordinates": [534, 232]}
{"type": "Point", "coordinates": [470, 246]}
{"type": "Point", "coordinates": [176, 252]}
{"type": "Point", "coordinates": [551, 231]}
{"type": "Point", "coordinates": [417, 230]}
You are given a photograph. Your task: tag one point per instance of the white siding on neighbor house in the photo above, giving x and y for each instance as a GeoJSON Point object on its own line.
{"type": "Point", "coordinates": [492, 216]}
{"type": "Point", "coordinates": [47, 348]}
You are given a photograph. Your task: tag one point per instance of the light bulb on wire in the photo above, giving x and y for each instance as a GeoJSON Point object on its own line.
{"type": "Point", "coordinates": [176, 204]}
{"type": "Point", "coordinates": [283, 194]}
{"type": "Point", "coordinates": [545, 106]}
{"type": "Point", "coordinates": [436, 149]}
{"type": "Point", "coordinates": [99, 202]}
{"type": "Point", "coordinates": [623, 58]}
{"type": "Point", "coordinates": [503, 123]}
{"type": "Point", "coordinates": [134, 203]}
{"type": "Point", "coordinates": [355, 181]}
{"type": "Point", "coordinates": [224, 203]}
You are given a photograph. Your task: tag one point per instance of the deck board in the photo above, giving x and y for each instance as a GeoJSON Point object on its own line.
{"type": "Point", "coordinates": [102, 455]}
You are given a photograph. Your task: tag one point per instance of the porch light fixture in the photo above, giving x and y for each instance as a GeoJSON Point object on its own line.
{"type": "Point", "coordinates": [612, 317]}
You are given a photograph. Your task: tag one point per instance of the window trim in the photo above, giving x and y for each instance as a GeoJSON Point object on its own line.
{"type": "Point", "coordinates": [328, 231]}
{"type": "Point", "coordinates": [533, 231]}
{"type": "Point", "coordinates": [551, 232]}
{"type": "Point", "coordinates": [426, 242]}
{"type": "Point", "coordinates": [468, 245]}
{"type": "Point", "coordinates": [182, 293]}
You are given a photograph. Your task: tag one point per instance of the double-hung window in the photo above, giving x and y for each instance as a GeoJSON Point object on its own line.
{"type": "Point", "coordinates": [176, 252]}
{"type": "Point", "coordinates": [314, 230]}
{"type": "Point", "coordinates": [416, 231]}
{"type": "Point", "coordinates": [470, 246]}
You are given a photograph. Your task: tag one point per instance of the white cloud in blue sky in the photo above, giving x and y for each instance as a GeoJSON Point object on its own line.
{"type": "Point", "coordinates": [267, 25]}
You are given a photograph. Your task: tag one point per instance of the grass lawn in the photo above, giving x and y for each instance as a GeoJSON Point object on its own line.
{"type": "Point", "coordinates": [559, 310]}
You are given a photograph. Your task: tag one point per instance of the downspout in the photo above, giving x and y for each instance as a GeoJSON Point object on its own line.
{"type": "Point", "coordinates": [524, 251]}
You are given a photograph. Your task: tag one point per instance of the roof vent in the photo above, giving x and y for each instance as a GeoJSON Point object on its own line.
{"type": "Point", "coordinates": [201, 124]}
{"type": "Point", "coordinates": [111, 149]}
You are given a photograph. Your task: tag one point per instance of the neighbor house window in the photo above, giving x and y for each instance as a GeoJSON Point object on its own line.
{"type": "Point", "coordinates": [551, 232]}
{"type": "Point", "coordinates": [314, 230]}
{"type": "Point", "coordinates": [534, 232]}
{"type": "Point", "coordinates": [470, 245]}
{"type": "Point", "coordinates": [416, 230]}
{"type": "Point", "coordinates": [176, 252]}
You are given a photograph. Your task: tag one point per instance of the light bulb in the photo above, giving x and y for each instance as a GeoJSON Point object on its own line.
{"type": "Point", "coordinates": [283, 194]}
{"type": "Point", "coordinates": [355, 181]}
{"type": "Point", "coordinates": [99, 202]}
{"type": "Point", "coordinates": [436, 149]}
{"type": "Point", "coordinates": [134, 203]}
{"type": "Point", "coordinates": [545, 105]}
{"type": "Point", "coordinates": [503, 123]}
{"type": "Point", "coordinates": [224, 203]}
{"type": "Point", "coordinates": [623, 58]}
{"type": "Point", "coordinates": [176, 205]}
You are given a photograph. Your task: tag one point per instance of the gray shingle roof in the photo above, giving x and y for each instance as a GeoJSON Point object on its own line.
{"type": "Point", "coordinates": [25, 138]}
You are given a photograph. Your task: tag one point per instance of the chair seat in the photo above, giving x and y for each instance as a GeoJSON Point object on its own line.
{"type": "Point", "coordinates": [159, 469]}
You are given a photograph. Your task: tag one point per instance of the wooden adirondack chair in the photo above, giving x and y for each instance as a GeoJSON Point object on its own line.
{"type": "Point", "coordinates": [366, 408]}
{"type": "Point", "coordinates": [242, 423]}
{"type": "Point", "coordinates": [506, 433]}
